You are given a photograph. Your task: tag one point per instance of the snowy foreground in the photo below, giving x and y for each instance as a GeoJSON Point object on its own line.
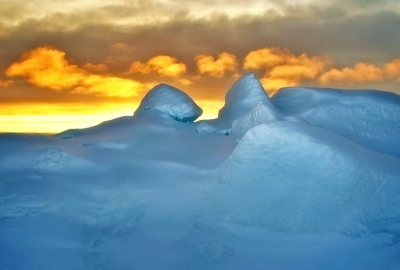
{"type": "Point", "coordinates": [307, 179]}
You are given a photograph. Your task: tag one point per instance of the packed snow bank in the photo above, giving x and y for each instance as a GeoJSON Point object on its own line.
{"type": "Point", "coordinates": [294, 177]}
{"type": "Point", "coordinates": [171, 101]}
{"type": "Point", "coordinates": [368, 117]}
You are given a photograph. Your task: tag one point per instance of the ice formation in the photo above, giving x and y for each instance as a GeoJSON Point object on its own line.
{"type": "Point", "coordinates": [171, 101]}
{"type": "Point", "coordinates": [309, 179]}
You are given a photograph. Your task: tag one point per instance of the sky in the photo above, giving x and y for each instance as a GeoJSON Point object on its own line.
{"type": "Point", "coordinates": [74, 64]}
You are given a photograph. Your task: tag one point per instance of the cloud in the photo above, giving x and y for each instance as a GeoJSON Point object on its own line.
{"type": "Point", "coordinates": [48, 67]}
{"type": "Point", "coordinates": [120, 47]}
{"type": "Point", "coordinates": [185, 82]}
{"type": "Point", "coordinates": [6, 83]}
{"type": "Point", "coordinates": [95, 68]}
{"type": "Point", "coordinates": [392, 70]}
{"type": "Point", "coordinates": [266, 58]}
{"type": "Point", "coordinates": [283, 68]}
{"type": "Point", "coordinates": [272, 85]}
{"type": "Point", "coordinates": [219, 67]}
{"type": "Point", "coordinates": [160, 64]}
{"type": "Point", "coordinates": [359, 73]}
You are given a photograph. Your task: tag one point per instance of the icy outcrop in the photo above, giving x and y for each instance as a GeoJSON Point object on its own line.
{"type": "Point", "coordinates": [370, 118]}
{"type": "Point", "coordinates": [262, 113]}
{"type": "Point", "coordinates": [171, 101]}
{"type": "Point", "coordinates": [299, 178]}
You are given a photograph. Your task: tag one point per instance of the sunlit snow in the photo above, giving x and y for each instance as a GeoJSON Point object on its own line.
{"type": "Point", "coordinates": [306, 179]}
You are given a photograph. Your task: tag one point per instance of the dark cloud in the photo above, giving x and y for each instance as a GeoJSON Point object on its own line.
{"type": "Point", "coordinates": [372, 37]}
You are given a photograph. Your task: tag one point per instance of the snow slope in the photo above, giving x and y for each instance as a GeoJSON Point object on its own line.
{"type": "Point", "coordinates": [309, 179]}
{"type": "Point", "coordinates": [299, 178]}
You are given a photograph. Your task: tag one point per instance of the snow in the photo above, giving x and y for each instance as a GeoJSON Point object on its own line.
{"type": "Point", "coordinates": [275, 165]}
{"type": "Point", "coordinates": [243, 101]}
{"type": "Point", "coordinates": [309, 179]}
{"type": "Point", "coordinates": [242, 97]}
{"type": "Point", "coordinates": [171, 101]}
{"type": "Point", "coordinates": [262, 113]}
{"type": "Point", "coordinates": [367, 117]}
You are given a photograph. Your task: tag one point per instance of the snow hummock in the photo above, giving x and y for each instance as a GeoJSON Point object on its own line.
{"type": "Point", "coordinates": [171, 101]}
{"type": "Point", "coordinates": [306, 180]}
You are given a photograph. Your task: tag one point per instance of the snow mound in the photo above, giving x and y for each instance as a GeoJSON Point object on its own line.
{"type": "Point", "coordinates": [370, 118]}
{"type": "Point", "coordinates": [262, 113]}
{"type": "Point", "coordinates": [171, 101]}
{"type": "Point", "coordinates": [294, 177]}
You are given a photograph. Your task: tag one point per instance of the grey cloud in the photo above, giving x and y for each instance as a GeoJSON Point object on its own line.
{"type": "Point", "coordinates": [320, 31]}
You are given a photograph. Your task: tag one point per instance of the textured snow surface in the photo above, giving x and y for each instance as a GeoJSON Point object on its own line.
{"type": "Point", "coordinates": [299, 178]}
{"type": "Point", "coordinates": [309, 179]}
{"type": "Point", "coordinates": [262, 113]}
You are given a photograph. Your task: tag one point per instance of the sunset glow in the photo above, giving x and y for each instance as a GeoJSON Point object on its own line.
{"type": "Point", "coordinates": [107, 56]}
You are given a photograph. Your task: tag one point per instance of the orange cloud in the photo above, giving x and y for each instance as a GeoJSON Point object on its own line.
{"type": "Point", "coordinates": [392, 69]}
{"type": "Point", "coordinates": [161, 64]}
{"type": "Point", "coordinates": [283, 68]}
{"type": "Point", "coordinates": [225, 62]}
{"type": "Point", "coordinates": [47, 67]}
{"type": "Point", "coordinates": [6, 83]}
{"type": "Point", "coordinates": [361, 72]}
{"type": "Point", "coordinates": [272, 85]}
{"type": "Point", "coordinates": [266, 58]}
{"type": "Point", "coordinates": [185, 82]}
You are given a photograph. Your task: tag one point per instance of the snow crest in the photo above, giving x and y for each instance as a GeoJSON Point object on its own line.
{"type": "Point", "coordinates": [171, 101]}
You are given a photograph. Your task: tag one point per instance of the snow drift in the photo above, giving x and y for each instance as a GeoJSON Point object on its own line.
{"type": "Point", "coordinates": [299, 178]}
